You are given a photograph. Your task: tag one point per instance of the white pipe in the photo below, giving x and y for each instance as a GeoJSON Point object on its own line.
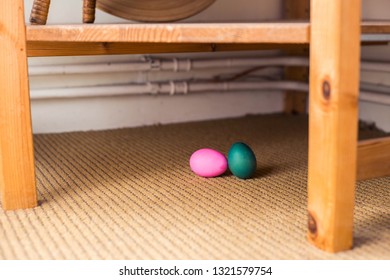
{"type": "Point", "coordinates": [175, 65]}
{"type": "Point", "coordinates": [247, 86]}
{"type": "Point", "coordinates": [163, 88]}
{"type": "Point", "coordinates": [89, 68]}
{"type": "Point", "coordinates": [375, 87]}
{"type": "Point", "coordinates": [375, 66]}
{"type": "Point", "coordinates": [375, 97]}
{"type": "Point", "coordinates": [385, 38]}
{"type": "Point", "coordinates": [180, 65]}
{"type": "Point", "coordinates": [250, 62]}
{"type": "Point", "coordinates": [184, 87]}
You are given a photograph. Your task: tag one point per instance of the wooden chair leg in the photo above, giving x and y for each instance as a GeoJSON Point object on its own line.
{"type": "Point", "coordinates": [17, 175]}
{"type": "Point", "coordinates": [295, 102]}
{"type": "Point", "coordinates": [39, 12]}
{"type": "Point", "coordinates": [89, 8]}
{"type": "Point", "coordinates": [333, 119]}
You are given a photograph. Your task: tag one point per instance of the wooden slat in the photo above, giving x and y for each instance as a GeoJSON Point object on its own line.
{"type": "Point", "coordinates": [68, 48]}
{"type": "Point", "coordinates": [297, 32]}
{"type": "Point", "coordinates": [36, 49]}
{"type": "Point", "coordinates": [17, 176]}
{"type": "Point", "coordinates": [116, 38]}
{"type": "Point", "coordinates": [333, 115]}
{"type": "Point", "coordinates": [373, 158]}
{"type": "Point", "coordinates": [295, 101]}
{"type": "Point", "coordinates": [376, 27]}
{"type": "Point", "coordinates": [271, 32]}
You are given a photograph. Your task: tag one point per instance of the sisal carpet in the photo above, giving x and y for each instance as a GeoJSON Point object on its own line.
{"type": "Point", "coordinates": [129, 194]}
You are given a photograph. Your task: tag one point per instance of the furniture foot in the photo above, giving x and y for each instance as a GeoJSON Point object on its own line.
{"type": "Point", "coordinates": [17, 175]}
{"type": "Point", "coordinates": [89, 8]}
{"type": "Point", "coordinates": [333, 120]}
{"type": "Point", "coordinates": [39, 12]}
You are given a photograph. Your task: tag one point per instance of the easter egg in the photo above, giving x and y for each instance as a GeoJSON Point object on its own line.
{"type": "Point", "coordinates": [208, 163]}
{"type": "Point", "coordinates": [242, 160]}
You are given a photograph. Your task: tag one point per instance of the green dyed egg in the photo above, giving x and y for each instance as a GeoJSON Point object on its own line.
{"type": "Point", "coordinates": [242, 160]}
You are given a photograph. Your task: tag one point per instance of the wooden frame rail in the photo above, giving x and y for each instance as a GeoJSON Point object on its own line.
{"type": "Point", "coordinates": [37, 49]}
{"type": "Point", "coordinates": [373, 158]}
{"type": "Point", "coordinates": [99, 39]}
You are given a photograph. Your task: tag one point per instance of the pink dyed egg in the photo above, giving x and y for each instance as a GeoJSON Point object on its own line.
{"type": "Point", "coordinates": [208, 163]}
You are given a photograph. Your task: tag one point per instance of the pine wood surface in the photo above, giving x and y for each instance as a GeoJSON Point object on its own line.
{"type": "Point", "coordinates": [17, 176]}
{"type": "Point", "coordinates": [111, 38]}
{"type": "Point", "coordinates": [373, 158]}
{"type": "Point", "coordinates": [297, 32]}
{"type": "Point", "coordinates": [333, 114]}
{"type": "Point", "coordinates": [295, 101]}
{"type": "Point", "coordinates": [267, 32]}
{"type": "Point", "coordinates": [375, 27]}
{"type": "Point", "coordinates": [36, 49]}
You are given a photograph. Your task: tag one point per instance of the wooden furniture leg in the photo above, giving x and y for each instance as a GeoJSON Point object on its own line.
{"type": "Point", "coordinates": [39, 12]}
{"type": "Point", "coordinates": [17, 175]}
{"type": "Point", "coordinates": [89, 8]}
{"type": "Point", "coordinates": [295, 101]}
{"type": "Point", "coordinates": [333, 120]}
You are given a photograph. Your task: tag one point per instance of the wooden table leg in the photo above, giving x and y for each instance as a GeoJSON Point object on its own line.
{"type": "Point", "coordinates": [333, 120]}
{"type": "Point", "coordinates": [17, 176]}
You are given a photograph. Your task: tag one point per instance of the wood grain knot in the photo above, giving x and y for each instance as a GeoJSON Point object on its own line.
{"type": "Point", "coordinates": [326, 90]}
{"type": "Point", "coordinates": [312, 225]}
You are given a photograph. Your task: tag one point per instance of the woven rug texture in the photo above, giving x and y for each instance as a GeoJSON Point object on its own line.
{"type": "Point", "coordinates": [130, 194]}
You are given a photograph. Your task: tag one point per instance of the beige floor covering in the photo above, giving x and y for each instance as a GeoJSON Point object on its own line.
{"type": "Point", "coordinates": [129, 194]}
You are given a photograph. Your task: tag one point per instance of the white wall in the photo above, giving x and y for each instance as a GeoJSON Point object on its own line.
{"type": "Point", "coordinates": [55, 115]}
